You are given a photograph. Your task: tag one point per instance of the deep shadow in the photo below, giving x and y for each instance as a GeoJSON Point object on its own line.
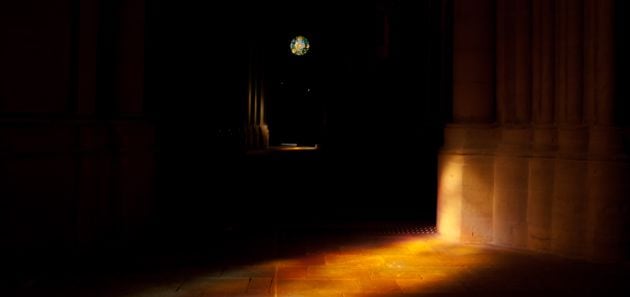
{"type": "Point", "coordinates": [375, 80]}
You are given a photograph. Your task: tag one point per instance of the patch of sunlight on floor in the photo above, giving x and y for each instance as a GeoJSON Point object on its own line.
{"type": "Point", "coordinates": [390, 266]}
{"type": "Point", "coordinates": [383, 266]}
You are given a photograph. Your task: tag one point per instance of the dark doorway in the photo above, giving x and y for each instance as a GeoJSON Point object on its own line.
{"type": "Point", "coordinates": [369, 93]}
{"type": "Point", "coordinates": [295, 103]}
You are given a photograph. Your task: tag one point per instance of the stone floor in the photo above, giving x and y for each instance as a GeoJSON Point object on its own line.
{"type": "Point", "coordinates": [290, 264]}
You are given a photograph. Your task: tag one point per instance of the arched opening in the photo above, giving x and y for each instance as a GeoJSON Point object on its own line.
{"type": "Point", "coordinates": [369, 93]}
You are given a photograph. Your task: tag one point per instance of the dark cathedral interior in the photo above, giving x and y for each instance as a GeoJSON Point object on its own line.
{"type": "Point", "coordinates": [323, 148]}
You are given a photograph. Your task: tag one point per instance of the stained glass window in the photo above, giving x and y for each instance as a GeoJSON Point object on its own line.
{"type": "Point", "coordinates": [299, 45]}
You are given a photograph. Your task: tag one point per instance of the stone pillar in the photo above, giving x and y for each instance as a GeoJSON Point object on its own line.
{"type": "Point", "coordinates": [473, 61]}
{"type": "Point", "coordinates": [554, 175]}
{"type": "Point", "coordinates": [543, 58]}
{"type": "Point", "coordinates": [514, 62]}
{"type": "Point", "coordinates": [114, 156]}
{"type": "Point", "coordinates": [568, 206]}
{"type": "Point", "coordinates": [130, 71]}
{"type": "Point", "coordinates": [514, 113]}
{"type": "Point", "coordinates": [511, 172]}
{"type": "Point", "coordinates": [256, 129]}
{"type": "Point", "coordinates": [466, 164]}
{"type": "Point", "coordinates": [86, 56]}
{"type": "Point", "coordinates": [505, 61]}
{"type": "Point", "coordinates": [540, 191]}
{"type": "Point", "coordinates": [465, 176]}
{"type": "Point", "coordinates": [522, 61]}
{"type": "Point", "coordinates": [590, 52]}
{"type": "Point", "coordinates": [608, 166]}
{"type": "Point", "coordinates": [93, 166]}
{"type": "Point", "coordinates": [574, 68]}
{"type": "Point", "coordinates": [541, 163]}
{"type": "Point", "coordinates": [604, 68]}
{"type": "Point", "coordinates": [450, 191]}
{"type": "Point", "coordinates": [560, 59]}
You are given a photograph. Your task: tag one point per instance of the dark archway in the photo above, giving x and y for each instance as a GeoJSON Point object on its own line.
{"type": "Point", "coordinates": [378, 115]}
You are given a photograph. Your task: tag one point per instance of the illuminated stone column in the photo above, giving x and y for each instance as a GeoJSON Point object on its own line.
{"type": "Point", "coordinates": [256, 129]}
{"type": "Point", "coordinates": [466, 162]}
{"type": "Point", "coordinates": [466, 174]}
{"type": "Point", "coordinates": [552, 173]}
{"type": "Point", "coordinates": [514, 113]}
{"type": "Point", "coordinates": [541, 163]}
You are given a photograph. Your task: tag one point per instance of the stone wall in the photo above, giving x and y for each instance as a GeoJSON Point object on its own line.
{"type": "Point", "coordinates": [77, 148]}
{"type": "Point", "coordinates": [534, 158]}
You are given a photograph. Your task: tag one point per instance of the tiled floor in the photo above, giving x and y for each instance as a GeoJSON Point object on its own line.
{"type": "Point", "coordinates": [360, 264]}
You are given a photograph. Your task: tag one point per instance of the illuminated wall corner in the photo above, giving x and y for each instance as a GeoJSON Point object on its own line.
{"type": "Point", "coordinates": [554, 177]}
{"type": "Point", "coordinates": [478, 185]}
{"type": "Point", "coordinates": [465, 184]}
{"type": "Point", "coordinates": [450, 196]}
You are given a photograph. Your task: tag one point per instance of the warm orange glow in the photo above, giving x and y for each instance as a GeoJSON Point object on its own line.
{"type": "Point", "coordinates": [384, 266]}
{"type": "Point", "coordinates": [411, 266]}
{"type": "Point", "coordinates": [282, 148]}
{"type": "Point", "coordinates": [465, 198]}
{"type": "Point", "coordinates": [450, 197]}
{"type": "Point", "coordinates": [294, 148]}
{"type": "Point", "coordinates": [378, 266]}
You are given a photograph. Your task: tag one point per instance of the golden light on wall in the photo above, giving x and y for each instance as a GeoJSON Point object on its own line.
{"type": "Point", "coordinates": [465, 198]}
{"type": "Point", "coordinates": [449, 213]}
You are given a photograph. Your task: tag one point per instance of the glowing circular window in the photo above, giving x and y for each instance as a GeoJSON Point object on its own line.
{"type": "Point", "coordinates": [300, 45]}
